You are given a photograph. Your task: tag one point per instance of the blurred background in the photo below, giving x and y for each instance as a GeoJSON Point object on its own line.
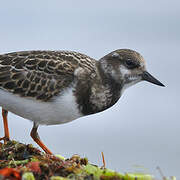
{"type": "Point", "coordinates": [142, 130]}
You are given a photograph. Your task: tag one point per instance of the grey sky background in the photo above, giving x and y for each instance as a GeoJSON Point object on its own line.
{"type": "Point", "coordinates": [142, 130]}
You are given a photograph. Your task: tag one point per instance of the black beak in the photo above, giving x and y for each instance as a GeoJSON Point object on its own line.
{"type": "Point", "coordinates": [148, 77]}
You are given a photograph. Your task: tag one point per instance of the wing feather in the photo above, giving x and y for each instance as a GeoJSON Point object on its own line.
{"type": "Point", "coordinates": [36, 74]}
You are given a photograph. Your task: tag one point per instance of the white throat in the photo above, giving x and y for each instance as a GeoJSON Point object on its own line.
{"type": "Point", "coordinates": [132, 79]}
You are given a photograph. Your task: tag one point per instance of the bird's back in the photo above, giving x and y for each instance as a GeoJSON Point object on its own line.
{"type": "Point", "coordinates": [40, 74]}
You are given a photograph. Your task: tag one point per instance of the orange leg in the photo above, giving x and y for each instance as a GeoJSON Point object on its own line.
{"type": "Point", "coordinates": [6, 129]}
{"type": "Point", "coordinates": [36, 138]}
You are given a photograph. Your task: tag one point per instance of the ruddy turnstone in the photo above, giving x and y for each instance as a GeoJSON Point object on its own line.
{"type": "Point", "coordinates": [55, 87]}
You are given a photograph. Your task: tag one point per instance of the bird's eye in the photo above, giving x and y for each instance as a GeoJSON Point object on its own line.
{"type": "Point", "coordinates": [130, 64]}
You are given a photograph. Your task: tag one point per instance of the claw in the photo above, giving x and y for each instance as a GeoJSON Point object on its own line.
{"type": "Point", "coordinates": [5, 139]}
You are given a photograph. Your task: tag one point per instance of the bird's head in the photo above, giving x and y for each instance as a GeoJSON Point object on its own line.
{"type": "Point", "coordinates": [126, 67]}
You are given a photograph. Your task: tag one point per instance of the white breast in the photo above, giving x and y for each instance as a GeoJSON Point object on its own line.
{"type": "Point", "coordinates": [61, 109]}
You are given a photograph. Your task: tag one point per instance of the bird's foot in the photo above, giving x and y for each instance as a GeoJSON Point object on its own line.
{"type": "Point", "coordinates": [5, 139]}
{"type": "Point", "coordinates": [53, 157]}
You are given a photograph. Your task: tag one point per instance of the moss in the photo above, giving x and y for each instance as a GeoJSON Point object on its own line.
{"type": "Point", "coordinates": [20, 161]}
{"type": "Point", "coordinates": [138, 176]}
{"type": "Point", "coordinates": [28, 176]}
{"type": "Point", "coordinates": [58, 178]}
{"type": "Point", "coordinates": [100, 173]}
{"type": "Point", "coordinates": [60, 157]}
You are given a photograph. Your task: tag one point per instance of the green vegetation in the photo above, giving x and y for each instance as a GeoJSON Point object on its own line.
{"type": "Point", "coordinates": [20, 161]}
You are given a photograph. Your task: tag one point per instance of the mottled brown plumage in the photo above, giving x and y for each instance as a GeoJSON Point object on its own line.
{"type": "Point", "coordinates": [55, 87]}
{"type": "Point", "coordinates": [40, 74]}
